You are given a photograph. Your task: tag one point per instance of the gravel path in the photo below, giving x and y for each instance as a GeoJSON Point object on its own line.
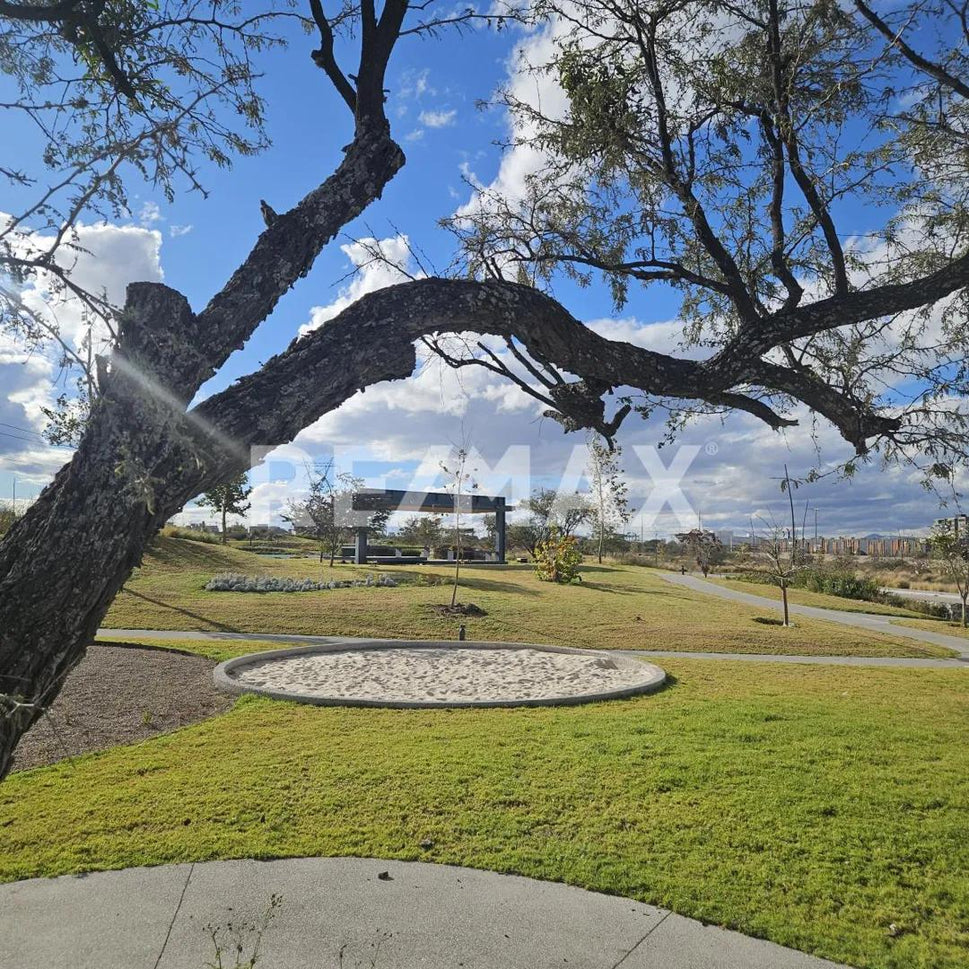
{"type": "Point", "coordinates": [120, 695]}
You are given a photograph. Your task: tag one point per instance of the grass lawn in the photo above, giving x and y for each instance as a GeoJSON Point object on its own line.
{"type": "Point", "coordinates": [811, 805]}
{"type": "Point", "coordinates": [615, 607]}
{"type": "Point", "coordinates": [821, 600]}
{"type": "Point", "coordinates": [936, 626]}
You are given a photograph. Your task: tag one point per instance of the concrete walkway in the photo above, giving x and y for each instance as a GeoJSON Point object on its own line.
{"type": "Point", "coordinates": [413, 916]}
{"type": "Point", "coordinates": [175, 636]}
{"type": "Point", "coordinates": [859, 620]}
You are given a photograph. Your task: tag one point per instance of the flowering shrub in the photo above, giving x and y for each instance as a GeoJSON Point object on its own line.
{"type": "Point", "coordinates": [557, 559]}
{"type": "Point", "coordinates": [235, 582]}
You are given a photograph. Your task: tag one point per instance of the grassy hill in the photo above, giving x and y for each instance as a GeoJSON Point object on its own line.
{"type": "Point", "coordinates": [614, 607]}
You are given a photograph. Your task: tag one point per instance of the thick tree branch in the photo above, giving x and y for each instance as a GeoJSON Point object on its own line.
{"type": "Point", "coordinates": [39, 13]}
{"type": "Point", "coordinates": [752, 342]}
{"type": "Point", "coordinates": [372, 340]}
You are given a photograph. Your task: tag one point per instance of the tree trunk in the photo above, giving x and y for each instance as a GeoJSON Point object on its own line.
{"type": "Point", "coordinates": [787, 615]}
{"type": "Point", "coordinates": [225, 536]}
{"type": "Point", "coordinates": [457, 571]}
{"type": "Point", "coordinates": [64, 561]}
{"type": "Point", "coordinates": [143, 456]}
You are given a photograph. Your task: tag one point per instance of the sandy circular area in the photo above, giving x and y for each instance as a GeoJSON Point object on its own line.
{"type": "Point", "coordinates": [438, 674]}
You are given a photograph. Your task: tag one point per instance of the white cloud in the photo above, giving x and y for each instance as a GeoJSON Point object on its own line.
{"type": "Point", "coordinates": [104, 260]}
{"type": "Point", "coordinates": [179, 230]}
{"type": "Point", "coordinates": [376, 262]}
{"type": "Point", "coordinates": [150, 214]}
{"type": "Point", "coordinates": [437, 119]}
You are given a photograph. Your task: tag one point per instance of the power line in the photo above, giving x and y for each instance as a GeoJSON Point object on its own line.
{"type": "Point", "coordinates": [17, 427]}
{"type": "Point", "coordinates": [27, 440]}
{"type": "Point", "coordinates": [16, 437]}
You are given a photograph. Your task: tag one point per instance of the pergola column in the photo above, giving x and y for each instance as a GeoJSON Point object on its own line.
{"type": "Point", "coordinates": [360, 547]}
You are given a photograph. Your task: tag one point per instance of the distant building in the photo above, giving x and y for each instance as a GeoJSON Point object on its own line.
{"type": "Point", "coordinates": [958, 525]}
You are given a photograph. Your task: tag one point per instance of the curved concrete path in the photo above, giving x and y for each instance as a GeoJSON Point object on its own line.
{"type": "Point", "coordinates": [859, 620]}
{"type": "Point", "coordinates": [394, 915]}
{"type": "Point", "coordinates": [175, 636]}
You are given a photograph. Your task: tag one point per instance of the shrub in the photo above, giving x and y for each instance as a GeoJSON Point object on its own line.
{"type": "Point", "coordinates": [838, 582]}
{"type": "Point", "coordinates": [235, 582]}
{"type": "Point", "coordinates": [936, 610]}
{"type": "Point", "coordinates": [192, 534]}
{"type": "Point", "coordinates": [557, 559]}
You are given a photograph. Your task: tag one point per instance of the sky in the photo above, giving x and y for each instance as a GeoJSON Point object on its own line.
{"type": "Point", "coordinates": [723, 472]}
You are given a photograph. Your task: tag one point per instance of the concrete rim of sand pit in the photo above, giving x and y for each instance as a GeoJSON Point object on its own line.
{"type": "Point", "coordinates": [653, 677]}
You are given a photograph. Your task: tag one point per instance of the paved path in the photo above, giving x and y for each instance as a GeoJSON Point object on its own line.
{"type": "Point", "coordinates": [420, 917]}
{"type": "Point", "coordinates": [928, 594]}
{"type": "Point", "coordinates": [178, 635]}
{"type": "Point", "coordinates": [913, 662]}
{"type": "Point", "coordinates": [860, 620]}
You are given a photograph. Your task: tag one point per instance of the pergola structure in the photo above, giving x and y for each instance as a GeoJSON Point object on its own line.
{"type": "Point", "coordinates": [440, 503]}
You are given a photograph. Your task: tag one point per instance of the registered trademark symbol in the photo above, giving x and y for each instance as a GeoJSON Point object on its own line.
{"type": "Point", "coordinates": [711, 447]}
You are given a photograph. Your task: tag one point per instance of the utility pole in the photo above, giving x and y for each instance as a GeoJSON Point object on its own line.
{"type": "Point", "coordinates": [13, 500]}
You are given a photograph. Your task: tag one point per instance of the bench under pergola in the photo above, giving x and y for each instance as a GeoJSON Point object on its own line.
{"type": "Point", "coordinates": [438, 503]}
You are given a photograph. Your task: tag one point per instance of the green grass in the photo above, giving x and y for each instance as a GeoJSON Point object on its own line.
{"type": "Point", "coordinates": [214, 649]}
{"type": "Point", "coordinates": [936, 626]}
{"type": "Point", "coordinates": [615, 607]}
{"type": "Point", "coordinates": [821, 600]}
{"type": "Point", "coordinates": [811, 805]}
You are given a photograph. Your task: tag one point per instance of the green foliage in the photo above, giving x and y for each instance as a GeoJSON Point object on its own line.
{"type": "Point", "coordinates": [230, 498]}
{"type": "Point", "coordinates": [846, 584]}
{"type": "Point", "coordinates": [835, 581]}
{"type": "Point", "coordinates": [704, 546]}
{"type": "Point", "coordinates": [7, 518]}
{"type": "Point", "coordinates": [422, 530]}
{"type": "Point", "coordinates": [190, 534]}
{"type": "Point", "coordinates": [557, 558]}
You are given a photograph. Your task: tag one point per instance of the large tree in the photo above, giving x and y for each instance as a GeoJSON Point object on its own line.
{"type": "Point", "coordinates": [228, 498]}
{"type": "Point", "coordinates": [719, 168]}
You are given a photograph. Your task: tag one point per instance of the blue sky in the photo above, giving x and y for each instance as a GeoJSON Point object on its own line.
{"type": "Point", "coordinates": [434, 84]}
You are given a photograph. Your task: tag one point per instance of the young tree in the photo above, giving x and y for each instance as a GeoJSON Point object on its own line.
{"type": "Point", "coordinates": [609, 504]}
{"type": "Point", "coordinates": [230, 498]}
{"type": "Point", "coordinates": [950, 549]}
{"type": "Point", "coordinates": [326, 513]}
{"type": "Point", "coordinates": [704, 546]}
{"type": "Point", "coordinates": [777, 552]}
{"type": "Point", "coordinates": [720, 170]}
{"type": "Point", "coordinates": [784, 554]}
{"type": "Point", "coordinates": [460, 482]}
